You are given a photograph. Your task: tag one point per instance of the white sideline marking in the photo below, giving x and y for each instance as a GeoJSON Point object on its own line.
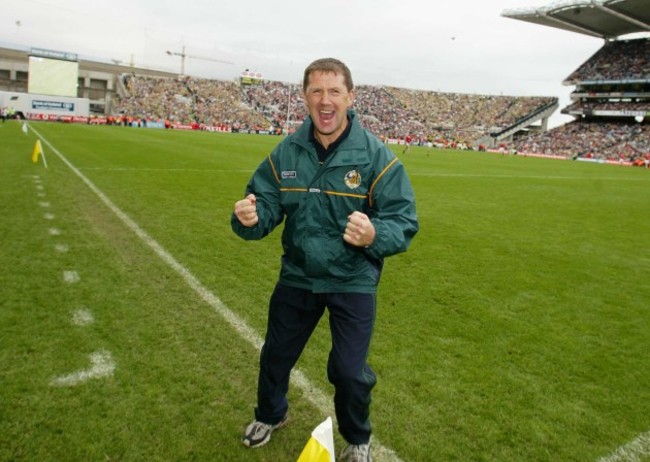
{"type": "Point", "coordinates": [519, 177]}
{"type": "Point", "coordinates": [39, 187]}
{"type": "Point", "coordinates": [54, 232]}
{"type": "Point", "coordinates": [424, 174]}
{"type": "Point", "coordinates": [313, 394]}
{"type": "Point", "coordinates": [40, 194]}
{"type": "Point", "coordinates": [44, 204]}
{"type": "Point", "coordinates": [101, 365]}
{"type": "Point", "coordinates": [61, 248]}
{"type": "Point", "coordinates": [71, 277]}
{"type": "Point", "coordinates": [48, 216]}
{"type": "Point", "coordinates": [82, 317]}
{"type": "Point", "coordinates": [631, 452]}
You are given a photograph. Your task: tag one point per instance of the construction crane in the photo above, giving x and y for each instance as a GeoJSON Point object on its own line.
{"type": "Point", "coordinates": [184, 55]}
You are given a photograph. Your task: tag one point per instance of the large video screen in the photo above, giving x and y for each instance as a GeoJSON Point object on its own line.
{"type": "Point", "coordinates": [54, 77]}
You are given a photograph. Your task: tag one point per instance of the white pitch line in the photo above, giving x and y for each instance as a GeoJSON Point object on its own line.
{"type": "Point", "coordinates": [82, 317]}
{"type": "Point", "coordinates": [101, 365]}
{"type": "Point", "coordinates": [422, 174]}
{"type": "Point", "coordinates": [518, 177]}
{"type": "Point", "coordinates": [316, 396]}
{"type": "Point", "coordinates": [61, 248]}
{"type": "Point", "coordinates": [632, 451]}
{"type": "Point", "coordinates": [71, 277]}
{"type": "Point", "coordinates": [54, 231]}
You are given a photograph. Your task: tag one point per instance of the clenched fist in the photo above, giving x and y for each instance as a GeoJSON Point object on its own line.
{"type": "Point", "coordinates": [359, 231]}
{"type": "Point", "coordinates": [246, 211]}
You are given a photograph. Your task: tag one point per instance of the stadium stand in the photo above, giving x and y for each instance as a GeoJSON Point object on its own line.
{"type": "Point", "coordinates": [187, 100]}
{"type": "Point", "coordinates": [611, 106]}
{"type": "Point", "coordinates": [125, 94]}
{"type": "Point", "coordinates": [273, 106]}
{"type": "Point", "coordinates": [616, 61]}
{"type": "Point", "coordinates": [611, 100]}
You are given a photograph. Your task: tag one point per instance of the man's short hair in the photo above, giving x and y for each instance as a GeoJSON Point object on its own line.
{"type": "Point", "coordinates": [328, 65]}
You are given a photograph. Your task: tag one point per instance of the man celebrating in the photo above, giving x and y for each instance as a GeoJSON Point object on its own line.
{"type": "Point", "coordinates": [348, 203]}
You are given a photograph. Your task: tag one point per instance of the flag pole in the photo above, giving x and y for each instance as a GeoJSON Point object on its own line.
{"type": "Point", "coordinates": [38, 150]}
{"type": "Point", "coordinates": [43, 155]}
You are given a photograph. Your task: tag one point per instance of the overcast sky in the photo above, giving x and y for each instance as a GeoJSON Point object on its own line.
{"type": "Point", "coordinates": [459, 46]}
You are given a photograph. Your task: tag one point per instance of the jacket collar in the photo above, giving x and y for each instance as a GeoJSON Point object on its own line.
{"type": "Point", "coordinates": [355, 140]}
{"type": "Point", "coordinates": [352, 150]}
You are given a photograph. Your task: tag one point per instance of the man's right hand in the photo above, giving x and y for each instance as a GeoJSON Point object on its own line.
{"type": "Point", "coordinates": [246, 211]}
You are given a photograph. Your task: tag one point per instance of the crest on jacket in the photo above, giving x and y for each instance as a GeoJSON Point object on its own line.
{"type": "Point", "coordinates": [352, 179]}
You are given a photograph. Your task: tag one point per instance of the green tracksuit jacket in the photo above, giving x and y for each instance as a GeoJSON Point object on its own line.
{"type": "Point", "coordinates": [361, 174]}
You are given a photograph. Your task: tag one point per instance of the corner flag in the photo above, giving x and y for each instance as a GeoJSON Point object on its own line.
{"type": "Point", "coordinates": [320, 447]}
{"type": "Point", "coordinates": [38, 150]}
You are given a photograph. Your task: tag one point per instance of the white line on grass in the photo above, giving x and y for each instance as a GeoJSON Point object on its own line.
{"type": "Point", "coordinates": [82, 317]}
{"type": "Point", "coordinates": [101, 365]}
{"type": "Point", "coordinates": [432, 174]}
{"type": "Point", "coordinates": [54, 232]}
{"type": "Point", "coordinates": [71, 277]}
{"type": "Point", "coordinates": [631, 452]}
{"type": "Point", "coordinates": [520, 177]}
{"type": "Point", "coordinates": [49, 216]}
{"type": "Point", "coordinates": [61, 248]}
{"type": "Point", "coordinates": [316, 396]}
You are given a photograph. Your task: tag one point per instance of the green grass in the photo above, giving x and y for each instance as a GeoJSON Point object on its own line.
{"type": "Point", "coordinates": [516, 328]}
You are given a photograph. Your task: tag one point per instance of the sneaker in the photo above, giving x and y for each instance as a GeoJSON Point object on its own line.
{"type": "Point", "coordinates": [356, 453]}
{"type": "Point", "coordinates": [258, 433]}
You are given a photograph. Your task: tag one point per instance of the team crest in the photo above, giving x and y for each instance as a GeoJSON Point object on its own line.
{"type": "Point", "coordinates": [352, 179]}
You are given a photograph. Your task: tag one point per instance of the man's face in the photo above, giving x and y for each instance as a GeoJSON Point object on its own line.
{"type": "Point", "coordinates": [327, 99]}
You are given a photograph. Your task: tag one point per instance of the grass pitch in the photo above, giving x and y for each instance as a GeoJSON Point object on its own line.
{"type": "Point", "coordinates": [515, 328]}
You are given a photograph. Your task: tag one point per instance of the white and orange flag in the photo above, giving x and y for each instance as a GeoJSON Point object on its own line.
{"type": "Point", "coordinates": [320, 447]}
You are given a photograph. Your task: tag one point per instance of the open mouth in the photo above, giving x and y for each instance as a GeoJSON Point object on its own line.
{"type": "Point", "coordinates": [326, 116]}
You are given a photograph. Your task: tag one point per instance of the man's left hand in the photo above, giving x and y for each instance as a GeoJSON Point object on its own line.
{"type": "Point", "coordinates": [359, 231]}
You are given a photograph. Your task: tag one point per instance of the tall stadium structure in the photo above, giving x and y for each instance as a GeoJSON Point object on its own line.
{"type": "Point", "coordinates": [611, 99]}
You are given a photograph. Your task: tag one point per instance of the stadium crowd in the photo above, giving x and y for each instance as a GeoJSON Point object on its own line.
{"type": "Point", "coordinates": [591, 106]}
{"type": "Point", "coordinates": [187, 100]}
{"type": "Point", "coordinates": [447, 118]}
{"type": "Point", "coordinates": [426, 117]}
{"type": "Point", "coordinates": [611, 106]}
{"type": "Point", "coordinates": [591, 139]}
{"type": "Point", "coordinates": [616, 60]}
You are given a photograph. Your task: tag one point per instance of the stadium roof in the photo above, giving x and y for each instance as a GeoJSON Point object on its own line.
{"type": "Point", "coordinates": [597, 18]}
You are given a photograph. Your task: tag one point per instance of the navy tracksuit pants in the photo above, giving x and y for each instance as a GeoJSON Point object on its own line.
{"type": "Point", "coordinates": [293, 315]}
